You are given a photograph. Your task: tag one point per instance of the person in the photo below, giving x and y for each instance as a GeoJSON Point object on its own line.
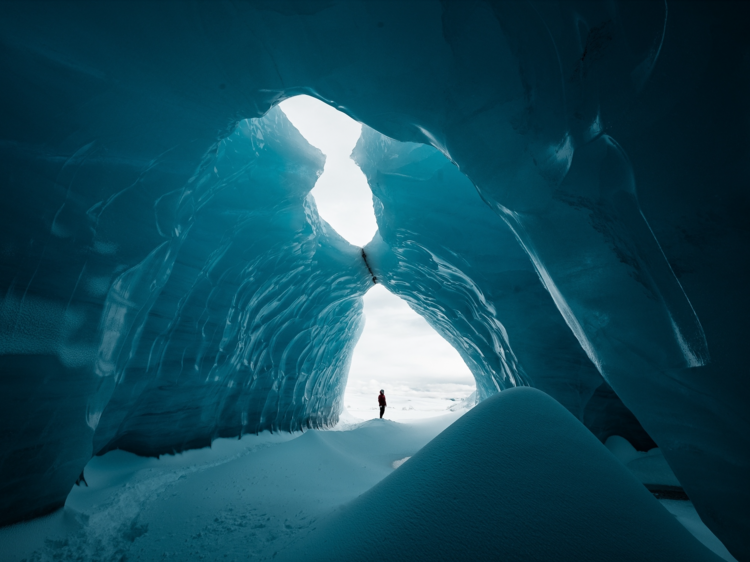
{"type": "Point", "coordinates": [381, 401]}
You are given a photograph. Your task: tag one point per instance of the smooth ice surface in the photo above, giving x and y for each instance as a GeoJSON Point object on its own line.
{"type": "Point", "coordinates": [611, 137]}
{"type": "Point", "coordinates": [516, 478]}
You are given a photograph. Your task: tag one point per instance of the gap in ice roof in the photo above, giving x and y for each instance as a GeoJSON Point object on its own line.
{"type": "Point", "coordinates": [421, 373]}
{"type": "Point", "coordinates": [342, 195]}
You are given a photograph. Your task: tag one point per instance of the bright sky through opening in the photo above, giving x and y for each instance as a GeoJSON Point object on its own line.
{"type": "Point", "coordinates": [343, 197]}
{"type": "Point", "coordinates": [421, 373]}
{"type": "Point", "coordinates": [400, 352]}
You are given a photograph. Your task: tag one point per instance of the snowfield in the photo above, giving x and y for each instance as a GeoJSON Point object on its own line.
{"type": "Point", "coordinates": [517, 477]}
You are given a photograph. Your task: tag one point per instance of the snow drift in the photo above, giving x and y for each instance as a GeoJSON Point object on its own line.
{"type": "Point", "coordinates": [517, 478]}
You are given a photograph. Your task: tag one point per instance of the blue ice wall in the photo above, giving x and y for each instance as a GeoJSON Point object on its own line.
{"type": "Point", "coordinates": [240, 316]}
{"type": "Point", "coordinates": [443, 250]}
{"type": "Point", "coordinates": [254, 328]}
{"type": "Point", "coordinates": [575, 121]}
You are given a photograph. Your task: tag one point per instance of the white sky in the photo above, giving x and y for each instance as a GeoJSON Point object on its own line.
{"type": "Point", "coordinates": [398, 351]}
{"type": "Point", "coordinates": [343, 197]}
{"type": "Point", "coordinates": [401, 353]}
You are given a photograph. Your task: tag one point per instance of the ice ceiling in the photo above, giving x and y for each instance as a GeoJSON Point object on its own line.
{"type": "Point", "coordinates": [166, 279]}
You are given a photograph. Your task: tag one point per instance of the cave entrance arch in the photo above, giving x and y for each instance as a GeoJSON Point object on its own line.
{"type": "Point", "coordinates": [423, 61]}
{"type": "Point", "coordinates": [441, 249]}
{"type": "Point", "coordinates": [398, 350]}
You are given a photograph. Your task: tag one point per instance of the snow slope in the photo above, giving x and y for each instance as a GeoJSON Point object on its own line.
{"type": "Point", "coordinates": [517, 478]}
{"type": "Point", "coordinates": [252, 499]}
{"type": "Point", "coordinates": [238, 500]}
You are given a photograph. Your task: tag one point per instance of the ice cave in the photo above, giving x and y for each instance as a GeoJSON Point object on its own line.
{"type": "Point", "coordinates": [561, 191]}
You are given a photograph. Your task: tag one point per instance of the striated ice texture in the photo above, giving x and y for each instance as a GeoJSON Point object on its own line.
{"type": "Point", "coordinates": [242, 319]}
{"type": "Point", "coordinates": [263, 300]}
{"type": "Point", "coordinates": [444, 251]}
{"type": "Point", "coordinates": [162, 283]}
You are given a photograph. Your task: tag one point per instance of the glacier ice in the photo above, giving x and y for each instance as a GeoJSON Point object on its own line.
{"type": "Point", "coordinates": [444, 251]}
{"type": "Point", "coordinates": [573, 121]}
{"type": "Point", "coordinates": [263, 299]}
{"type": "Point", "coordinates": [251, 294]}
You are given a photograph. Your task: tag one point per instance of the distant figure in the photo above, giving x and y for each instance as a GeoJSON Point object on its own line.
{"type": "Point", "coordinates": [381, 401]}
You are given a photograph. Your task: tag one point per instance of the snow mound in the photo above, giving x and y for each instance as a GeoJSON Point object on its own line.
{"type": "Point", "coordinates": [516, 478]}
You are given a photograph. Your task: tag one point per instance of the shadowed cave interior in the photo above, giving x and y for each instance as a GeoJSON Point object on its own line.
{"type": "Point", "coordinates": [546, 200]}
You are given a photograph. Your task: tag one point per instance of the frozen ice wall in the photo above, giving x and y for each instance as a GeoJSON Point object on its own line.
{"type": "Point", "coordinates": [443, 250]}
{"type": "Point", "coordinates": [241, 318]}
{"type": "Point", "coordinates": [255, 326]}
{"type": "Point", "coordinates": [575, 122]}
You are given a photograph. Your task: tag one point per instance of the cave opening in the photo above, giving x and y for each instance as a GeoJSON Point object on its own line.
{"type": "Point", "coordinates": [398, 351]}
{"type": "Point", "coordinates": [163, 290]}
{"type": "Point", "coordinates": [341, 193]}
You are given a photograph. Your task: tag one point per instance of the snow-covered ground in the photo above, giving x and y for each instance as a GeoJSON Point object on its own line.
{"type": "Point", "coordinates": [242, 499]}
{"type": "Point", "coordinates": [422, 375]}
{"type": "Point", "coordinates": [404, 404]}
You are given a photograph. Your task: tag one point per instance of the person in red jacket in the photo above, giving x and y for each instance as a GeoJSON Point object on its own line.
{"type": "Point", "coordinates": [381, 401]}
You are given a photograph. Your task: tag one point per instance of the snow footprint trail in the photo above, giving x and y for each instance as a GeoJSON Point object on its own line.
{"type": "Point", "coordinates": [254, 507]}
{"type": "Point", "coordinates": [121, 487]}
{"type": "Point", "coordinates": [242, 499]}
{"type": "Point", "coordinates": [108, 528]}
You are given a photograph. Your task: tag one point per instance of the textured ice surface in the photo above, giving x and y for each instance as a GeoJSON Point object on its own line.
{"type": "Point", "coordinates": [244, 319]}
{"type": "Point", "coordinates": [255, 326]}
{"type": "Point", "coordinates": [443, 250]}
{"type": "Point", "coordinates": [113, 114]}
